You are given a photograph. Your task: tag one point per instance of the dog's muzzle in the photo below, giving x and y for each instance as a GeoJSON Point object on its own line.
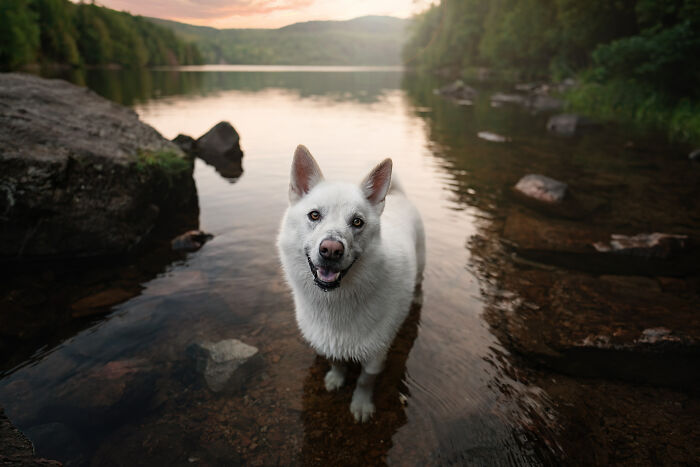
{"type": "Point", "coordinates": [326, 278]}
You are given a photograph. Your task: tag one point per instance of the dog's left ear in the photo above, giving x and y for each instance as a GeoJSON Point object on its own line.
{"type": "Point", "coordinates": [376, 184]}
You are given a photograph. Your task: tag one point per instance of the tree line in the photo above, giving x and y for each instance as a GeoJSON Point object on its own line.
{"type": "Point", "coordinates": [636, 58]}
{"type": "Point", "coordinates": [372, 40]}
{"type": "Point", "coordinates": [58, 31]}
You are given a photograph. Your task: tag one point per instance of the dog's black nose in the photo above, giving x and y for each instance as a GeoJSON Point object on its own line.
{"type": "Point", "coordinates": [331, 249]}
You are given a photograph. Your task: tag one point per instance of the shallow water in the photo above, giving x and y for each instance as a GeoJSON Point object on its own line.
{"type": "Point", "coordinates": [119, 390]}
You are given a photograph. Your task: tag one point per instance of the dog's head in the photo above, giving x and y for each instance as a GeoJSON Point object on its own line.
{"type": "Point", "coordinates": [332, 223]}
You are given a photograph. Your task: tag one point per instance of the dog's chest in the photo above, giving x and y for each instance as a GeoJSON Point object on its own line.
{"type": "Point", "coordinates": [347, 332]}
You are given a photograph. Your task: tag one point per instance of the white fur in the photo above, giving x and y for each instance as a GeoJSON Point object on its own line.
{"type": "Point", "coordinates": [359, 319]}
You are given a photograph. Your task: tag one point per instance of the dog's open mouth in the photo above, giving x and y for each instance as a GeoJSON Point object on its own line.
{"type": "Point", "coordinates": [327, 278]}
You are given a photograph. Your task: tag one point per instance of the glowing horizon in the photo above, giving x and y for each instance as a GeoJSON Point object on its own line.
{"type": "Point", "coordinates": [270, 14]}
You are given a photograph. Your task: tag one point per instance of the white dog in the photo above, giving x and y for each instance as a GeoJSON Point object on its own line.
{"type": "Point", "coordinates": [352, 269]}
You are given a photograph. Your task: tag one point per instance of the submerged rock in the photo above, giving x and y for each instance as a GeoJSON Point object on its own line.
{"type": "Point", "coordinates": [103, 395]}
{"type": "Point", "coordinates": [655, 245]}
{"type": "Point", "coordinates": [542, 188]}
{"type": "Point", "coordinates": [493, 137]}
{"type": "Point", "coordinates": [567, 124]}
{"type": "Point", "coordinates": [571, 245]}
{"type": "Point", "coordinates": [101, 301]}
{"type": "Point", "coordinates": [220, 363]}
{"type": "Point", "coordinates": [219, 147]}
{"type": "Point", "coordinates": [610, 326]}
{"type": "Point", "coordinates": [554, 198]}
{"type": "Point", "coordinates": [81, 176]}
{"type": "Point", "coordinates": [190, 241]}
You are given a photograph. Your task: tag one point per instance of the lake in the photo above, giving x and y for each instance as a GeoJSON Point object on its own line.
{"type": "Point", "coordinates": [481, 373]}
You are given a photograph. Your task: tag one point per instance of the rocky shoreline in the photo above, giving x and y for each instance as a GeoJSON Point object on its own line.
{"type": "Point", "coordinates": [93, 203]}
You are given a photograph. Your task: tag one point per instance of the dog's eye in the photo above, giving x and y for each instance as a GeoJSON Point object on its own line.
{"type": "Point", "coordinates": [357, 222]}
{"type": "Point", "coordinates": [314, 215]}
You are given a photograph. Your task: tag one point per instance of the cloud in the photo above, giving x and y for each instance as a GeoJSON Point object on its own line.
{"type": "Point", "coordinates": [205, 9]}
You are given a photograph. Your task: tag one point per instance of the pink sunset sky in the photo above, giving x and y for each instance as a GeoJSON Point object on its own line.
{"type": "Point", "coordinates": [263, 13]}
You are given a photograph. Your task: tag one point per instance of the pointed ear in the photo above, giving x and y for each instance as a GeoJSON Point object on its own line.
{"type": "Point", "coordinates": [305, 174]}
{"type": "Point", "coordinates": [376, 184]}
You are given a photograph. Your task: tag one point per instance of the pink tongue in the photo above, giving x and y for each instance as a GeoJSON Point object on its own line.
{"type": "Point", "coordinates": [326, 275]}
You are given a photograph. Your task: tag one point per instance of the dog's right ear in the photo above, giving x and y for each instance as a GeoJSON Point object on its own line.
{"type": "Point", "coordinates": [305, 174]}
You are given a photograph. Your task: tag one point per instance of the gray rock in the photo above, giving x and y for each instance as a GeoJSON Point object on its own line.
{"type": "Point", "coordinates": [220, 361]}
{"type": "Point", "coordinates": [81, 176]}
{"type": "Point", "coordinates": [570, 245]}
{"type": "Point", "coordinates": [220, 148]}
{"type": "Point", "coordinates": [693, 156]}
{"type": "Point", "coordinates": [493, 137]}
{"type": "Point", "coordinates": [502, 98]}
{"type": "Point", "coordinates": [542, 188]}
{"type": "Point", "coordinates": [526, 87]}
{"type": "Point", "coordinates": [458, 91]}
{"type": "Point", "coordinates": [655, 245]}
{"type": "Point", "coordinates": [538, 102]}
{"type": "Point", "coordinates": [190, 241]}
{"type": "Point", "coordinates": [545, 103]}
{"type": "Point", "coordinates": [567, 124]}
{"type": "Point", "coordinates": [186, 143]}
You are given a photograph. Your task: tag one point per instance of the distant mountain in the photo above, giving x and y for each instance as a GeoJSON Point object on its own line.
{"type": "Point", "coordinates": [368, 40]}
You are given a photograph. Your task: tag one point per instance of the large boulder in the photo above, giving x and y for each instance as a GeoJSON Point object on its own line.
{"type": "Point", "coordinates": [81, 176]}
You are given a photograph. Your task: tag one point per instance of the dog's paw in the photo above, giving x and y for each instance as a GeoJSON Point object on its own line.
{"type": "Point", "coordinates": [362, 408]}
{"type": "Point", "coordinates": [334, 380]}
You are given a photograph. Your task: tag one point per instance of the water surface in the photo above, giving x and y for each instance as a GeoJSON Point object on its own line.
{"type": "Point", "coordinates": [120, 391]}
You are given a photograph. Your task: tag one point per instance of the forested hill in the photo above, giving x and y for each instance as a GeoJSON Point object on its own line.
{"type": "Point", "coordinates": [638, 60]}
{"type": "Point", "coordinates": [369, 40]}
{"type": "Point", "coordinates": [58, 31]}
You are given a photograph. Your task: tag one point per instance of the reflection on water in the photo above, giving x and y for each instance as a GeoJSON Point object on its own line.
{"type": "Point", "coordinates": [122, 391]}
{"type": "Point", "coordinates": [128, 87]}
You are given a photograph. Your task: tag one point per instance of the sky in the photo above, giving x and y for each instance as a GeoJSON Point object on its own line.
{"type": "Point", "coordinates": [263, 13]}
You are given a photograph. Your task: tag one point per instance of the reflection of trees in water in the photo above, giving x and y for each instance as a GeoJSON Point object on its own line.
{"type": "Point", "coordinates": [130, 86]}
{"type": "Point", "coordinates": [331, 435]}
{"type": "Point", "coordinates": [478, 175]}
{"type": "Point", "coordinates": [530, 308]}
{"type": "Point", "coordinates": [339, 86]}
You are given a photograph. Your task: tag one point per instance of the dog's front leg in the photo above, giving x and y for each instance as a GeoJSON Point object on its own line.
{"type": "Point", "coordinates": [335, 377]}
{"type": "Point", "coordinates": [362, 407]}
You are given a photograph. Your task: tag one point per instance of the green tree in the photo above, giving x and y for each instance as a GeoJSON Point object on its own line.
{"type": "Point", "coordinates": [19, 34]}
{"type": "Point", "coordinates": [57, 31]}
